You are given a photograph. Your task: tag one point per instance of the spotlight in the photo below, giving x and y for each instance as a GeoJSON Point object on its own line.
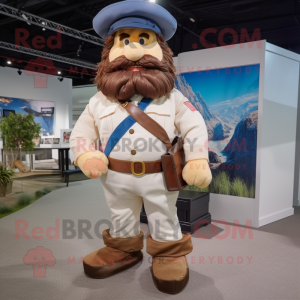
{"type": "Point", "coordinates": [9, 62]}
{"type": "Point", "coordinates": [20, 72]}
{"type": "Point", "coordinates": [61, 79]}
{"type": "Point", "coordinates": [193, 20]}
{"type": "Point", "coordinates": [79, 49]}
{"type": "Point", "coordinates": [152, 1]}
{"type": "Point", "coordinates": [58, 72]}
{"type": "Point", "coordinates": [26, 18]}
{"type": "Point", "coordinates": [44, 23]}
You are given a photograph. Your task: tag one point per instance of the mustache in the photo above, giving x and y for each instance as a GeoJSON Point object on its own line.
{"type": "Point", "coordinates": [121, 63]}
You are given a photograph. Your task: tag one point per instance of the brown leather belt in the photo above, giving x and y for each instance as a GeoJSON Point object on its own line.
{"type": "Point", "coordinates": [135, 167]}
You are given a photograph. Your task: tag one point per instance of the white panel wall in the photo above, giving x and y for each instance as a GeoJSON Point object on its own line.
{"type": "Point", "coordinates": [278, 137]}
{"type": "Point", "coordinates": [219, 57]}
{"type": "Point", "coordinates": [81, 96]}
{"type": "Point", "coordinates": [14, 85]}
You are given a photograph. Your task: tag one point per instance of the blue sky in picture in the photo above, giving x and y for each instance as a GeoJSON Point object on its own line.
{"type": "Point", "coordinates": [227, 86]}
{"type": "Point", "coordinates": [17, 104]}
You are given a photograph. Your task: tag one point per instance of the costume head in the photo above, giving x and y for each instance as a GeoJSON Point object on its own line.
{"type": "Point", "coordinates": [135, 59]}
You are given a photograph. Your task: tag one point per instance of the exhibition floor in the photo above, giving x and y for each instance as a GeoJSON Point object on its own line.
{"type": "Point", "coordinates": [33, 181]}
{"type": "Point", "coordinates": [222, 266]}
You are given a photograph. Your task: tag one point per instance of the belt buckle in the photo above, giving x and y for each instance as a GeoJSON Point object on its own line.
{"type": "Point", "coordinates": [143, 168]}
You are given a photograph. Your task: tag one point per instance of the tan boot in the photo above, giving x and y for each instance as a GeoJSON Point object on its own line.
{"type": "Point", "coordinates": [170, 269]}
{"type": "Point", "coordinates": [119, 255]}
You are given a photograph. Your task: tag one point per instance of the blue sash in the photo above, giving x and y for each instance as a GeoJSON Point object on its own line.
{"type": "Point", "coordinates": [122, 128]}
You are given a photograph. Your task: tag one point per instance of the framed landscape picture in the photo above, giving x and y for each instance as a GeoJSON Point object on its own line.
{"type": "Point", "coordinates": [227, 99]}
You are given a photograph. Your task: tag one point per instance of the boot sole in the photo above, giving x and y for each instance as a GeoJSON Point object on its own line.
{"type": "Point", "coordinates": [101, 272]}
{"type": "Point", "coordinates": [170, 287]}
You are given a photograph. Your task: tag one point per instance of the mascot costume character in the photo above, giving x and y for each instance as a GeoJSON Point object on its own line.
{"type": "Point", "coordinates": [137, 67]}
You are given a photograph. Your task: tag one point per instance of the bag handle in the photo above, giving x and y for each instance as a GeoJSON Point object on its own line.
{"type": "Point", "coordinates": [148, 123]}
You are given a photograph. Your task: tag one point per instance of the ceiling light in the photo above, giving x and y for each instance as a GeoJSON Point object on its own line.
{"type": "Point", "coordinates": [9, 62]}
{"type": "Point", "coordinates": [59, 72]}
{"type": "Point", "coordinates": [152, 1]}
{"type": "Point", "coordinates": [193, 20]}
{"type": "Point", "coordinates": [26, 18]}
{"type": "Point", "coordinates": [44, 23]}
{"type": "Point", "coordinates": [79, 49]}
{"type": "Point", "coordinates": [20, 72]}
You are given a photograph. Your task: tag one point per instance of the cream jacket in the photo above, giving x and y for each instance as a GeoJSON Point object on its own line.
{"type": "Point", "coordinates": [173, 112]}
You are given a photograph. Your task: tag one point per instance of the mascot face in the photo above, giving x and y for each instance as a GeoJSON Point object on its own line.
{"type": "Point", "coordinates": [135, 61]}
{"type": "Point", "coordinates": [134, 43]}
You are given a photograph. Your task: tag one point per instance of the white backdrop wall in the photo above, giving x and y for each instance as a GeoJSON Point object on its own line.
{"type": "Point", "coordinates": [22, 86]}
{"type": "Point", "coordinates": [278, 140]}
{"type": "Point", "coordinates": [81, 96]}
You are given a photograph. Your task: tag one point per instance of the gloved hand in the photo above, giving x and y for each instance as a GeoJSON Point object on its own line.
{"type": "Point", "coordinates": [197, 172]}
{"type": "Point", "coordinates": [93, 163]}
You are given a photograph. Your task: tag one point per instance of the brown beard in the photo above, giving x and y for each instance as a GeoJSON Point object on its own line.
{"type": "Point", "coordinates": [155, 80]}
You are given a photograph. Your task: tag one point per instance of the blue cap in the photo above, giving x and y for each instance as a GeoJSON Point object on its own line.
{"type": "Point", "coordinates": [135, 14]}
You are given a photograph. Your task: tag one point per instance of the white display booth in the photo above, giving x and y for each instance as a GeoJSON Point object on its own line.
{"type": "Point", "coordinates": [277, 165]}
{"type": "Point", "coordinates": [60, 92]}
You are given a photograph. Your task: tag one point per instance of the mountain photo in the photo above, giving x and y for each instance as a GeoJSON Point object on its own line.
{"type": "Point", "coordinates": [228, 101]}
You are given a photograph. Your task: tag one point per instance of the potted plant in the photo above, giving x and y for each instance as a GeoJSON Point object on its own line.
{"type": "Point", "coordinates": [17, 132]}
{"type": "Point", "coordinates": [6, 180]}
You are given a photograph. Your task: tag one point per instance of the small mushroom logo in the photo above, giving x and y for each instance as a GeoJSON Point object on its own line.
{"type": "Point", "coordinates": [40, 68]}
{"type": "Point", "coordinates": [94, 165]}
{"type": "Point", "coordinates": [39, 258]}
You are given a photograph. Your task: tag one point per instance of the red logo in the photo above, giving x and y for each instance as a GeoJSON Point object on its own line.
{"type": "Point", "coordinates": [94, 165]}
{"type": "Point", "coordinates": [190, 105]}
{"type": "Point", "coordinates": [39, 258]}
{"type": "Point", "coordinates": [40, 68]}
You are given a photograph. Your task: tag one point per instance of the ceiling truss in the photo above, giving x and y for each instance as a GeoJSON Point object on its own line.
{"type": "Point", "coordinates": [39, 21]}
{"type": "Point", "coordinates": [50, 56]}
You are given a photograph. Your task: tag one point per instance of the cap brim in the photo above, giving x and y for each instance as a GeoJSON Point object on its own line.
{"type": "Point", "coordinates": [134, 8]}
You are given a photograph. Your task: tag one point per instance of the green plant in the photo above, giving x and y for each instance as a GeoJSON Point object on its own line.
{"type": "Point", "coordinates": [39, 193]}
{"type": "Point", "coordinates": [18, 130]}
{"type": "Point", "coordinates": [42, 192]}
{"type": "Point", "coordinates": [46, 190]}
{"type": "Point", "coordinates": [24, 199]}
{"type": "Point", "coordinates": [9, 210]}
{"type": "Point", "coordinates": [6, 175]}
{"type": "Point", "coordinates": [4, 209]}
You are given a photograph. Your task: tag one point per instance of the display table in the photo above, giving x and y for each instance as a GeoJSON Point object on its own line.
{"type": "Point", "coordinates": [16, 154]}
{"type": "Point", "coordinates": [63, 156]}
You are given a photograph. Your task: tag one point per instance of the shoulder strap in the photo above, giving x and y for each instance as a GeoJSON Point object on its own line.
{"type": "Point", "coordinates": [148, 123]}
{"type": "Point", "coordinates": [122, 128]}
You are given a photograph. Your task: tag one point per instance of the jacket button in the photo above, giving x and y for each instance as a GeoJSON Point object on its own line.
{"type": "Point", "coordinates": [133, 152]}
{"type": "Point", "coordinates": [131, 131]}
